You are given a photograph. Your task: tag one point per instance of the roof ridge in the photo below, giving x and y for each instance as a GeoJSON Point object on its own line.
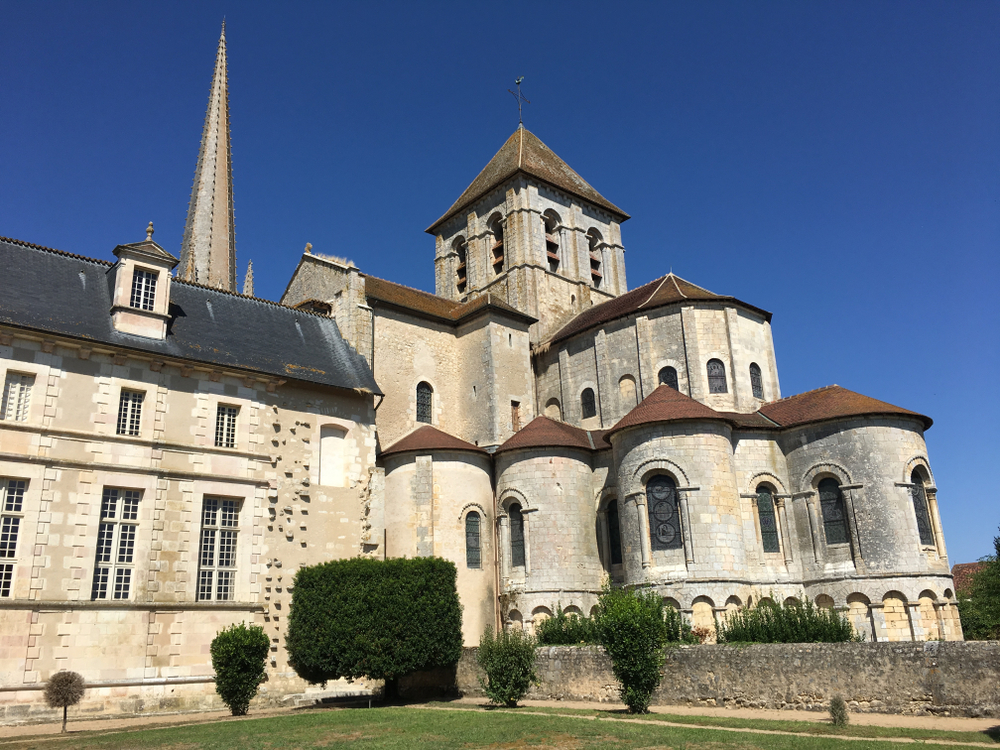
{"type": "Point", "coordinates": [33, 246]}
{"type": "Point", "coordinates": [414, 289]}
{"type": "Point", "coordinates": [806, 393]}
{"type": "Point", "coordinates": [678, 286]}
{"type": "Point", "coordinates": [662, 280]}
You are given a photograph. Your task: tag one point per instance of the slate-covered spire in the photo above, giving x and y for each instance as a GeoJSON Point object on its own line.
{"type": "Point", "coordinates": [208, 251]}
{"type": "Point", "coordinates": [248, 281]}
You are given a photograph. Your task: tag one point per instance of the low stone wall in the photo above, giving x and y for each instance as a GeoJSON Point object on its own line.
{"type": "Point", "coordinates": [955, 678]}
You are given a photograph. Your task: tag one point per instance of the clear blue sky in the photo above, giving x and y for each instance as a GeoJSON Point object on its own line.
{"type": "Point", "coordinates": [835, 163]}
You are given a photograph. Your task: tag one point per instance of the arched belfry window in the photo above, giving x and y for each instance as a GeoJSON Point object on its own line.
{"type": "Point", "coordinates": [920, 509]}
{"type": "Point", "coordinates": [614, 533]}
{"type": "Point", "coordinates": [831, 500]}
{"type": "Point", "coordinates": [664, 513]}
{"type": "Point", "coordinates": [766, 517]}
{"type": "Point", "coordinates": [461, 270]}
{"type": "Point", "coordinates": [551, 222]}
{"type": "Point", "coordinates": [425, 402]}
{"type": "Point", "coordinates": [668, 376]}
{"type": "Point", "coordinates": [594, 239]}
{"type": "Point", "coordinates": [717, 377]}
{"type": "Point", "coordinates": [756, 381]}
{"type": "Point", "coordinates": [497, 248]}
{"type": "Point", "coordinates": [516, 536]}
{"type": "Point", "coordinates": [588, 404]}
{"type": "Point", "coordinates": [473, 547]}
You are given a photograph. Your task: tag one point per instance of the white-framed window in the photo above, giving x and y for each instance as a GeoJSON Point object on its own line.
{"type": "Point", "coordinates": [11, 515]}
{"type": "Point", "coordinates": [130, 412]}
{"type": "Point", "coordinates": [16, 396]}
{"type": "Point", "coordinates": [225, 426]}
{"type": "Point", "coordinates": [143, 289]}
{"type": "Point", "coordinates": [220, 518]}
{"type": "Point", "coordinates": [114, 568]}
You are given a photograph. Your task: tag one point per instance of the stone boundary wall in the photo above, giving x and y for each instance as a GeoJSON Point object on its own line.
{"type": "Point", "coordinates": [936, 677]}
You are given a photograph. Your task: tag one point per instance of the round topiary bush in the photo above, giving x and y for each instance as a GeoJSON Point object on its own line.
{"type": "Point", "coordinates": [64, 689]}
{"type": "Point", "coordinates": [238, 656]}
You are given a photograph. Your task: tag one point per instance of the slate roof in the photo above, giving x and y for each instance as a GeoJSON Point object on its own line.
{"type": "Point", "coordinates": [667, 405]}
{"type": "Point", "coordinates": [962, 574]}
{"type": "Point", "coordinates": [432, 306]}
{"type": "Point", "coordinates": [666, 290]}
{"type": "Point", "coordinates": [544, 432]}
{"type": "Point", "coordinates": [831, 402]}
{"type": "Point", "coordinates": [51, 291]}
{"type": "Point", "coordinates": [428, 438]}
{"type": "Point", "coordinates": [524, 152]}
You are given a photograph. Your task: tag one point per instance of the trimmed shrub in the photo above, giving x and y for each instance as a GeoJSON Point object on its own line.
{"type": "Point", "coordinates": [508, 659]}
{"type": "Point", "coordinates": [979, 607]}
{"type": "Point", "coordinates": [64, 689]}
{"type": "Point", "coordinates": [239, 653]}
{"type": "Point", "coordinates": [566, 630]}
{"type": "Point", "coordinates": [380, 619]}
{"type": "Point", "coordinates": [791, 622]}
{"type": "Point", "coordinates": [838, 711]}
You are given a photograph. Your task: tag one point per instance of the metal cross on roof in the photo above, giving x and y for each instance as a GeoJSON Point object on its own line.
{"type": "Point", "coordinates": [520, 98]}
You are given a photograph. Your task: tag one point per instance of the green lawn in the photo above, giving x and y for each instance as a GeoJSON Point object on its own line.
{"type": "Point", "coordinates": [415, 728]}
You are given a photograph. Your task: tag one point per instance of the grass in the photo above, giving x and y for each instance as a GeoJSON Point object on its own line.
{"type": "Point", "coordinates": [397, 728]}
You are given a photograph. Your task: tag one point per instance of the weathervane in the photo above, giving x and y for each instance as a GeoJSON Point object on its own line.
{"type": "Point", "coordinates": [520, 98]}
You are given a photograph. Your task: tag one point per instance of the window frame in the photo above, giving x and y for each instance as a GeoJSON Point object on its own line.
{"type": "Point", "coordinates": [226, 425]}
{"type": "Point", "coordinates": [830, 504]}
{"type": "Point", "coordinates": [427, 390]}
{"type": "Point", "coordinates": [129, 423]}
{"type": "Point", "coordinates": [114, 576]}
{"type": "Point", "coordinates": [670, 372]}
{"type": "Point", "coordinates": [664, 514]}
{"type": "Point", "coordinates": [213, 571]}
{"type": "Point", "coordinates": [474, 561]}
{"type": "Point", "coordinates": [717, 379]}
{"type": "Point", "coordinates": [614, 529]}
{"type": "Point", "coordinates": [515, 515]}
{"type": "Point", "coordinates": [11, 517]}
{"type": "Point", "coordinates": [142, 295]}
{"type": "Point", "coordinates": [774, 533]}
{"type": "Point", "coordinates": [918, 494]}
{"type": "Point", "coordinates": [756, 381]}
{"type": "Point", "coordinates": [584, 403]}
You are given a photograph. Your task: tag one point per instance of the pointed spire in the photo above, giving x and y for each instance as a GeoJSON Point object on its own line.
{"type": "Point", "coordinates": [208, 251]}
{"type": "Point", "coordinates": [248, 281]}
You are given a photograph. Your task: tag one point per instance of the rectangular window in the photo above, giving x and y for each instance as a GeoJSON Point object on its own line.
{"type": "Point", "coordinates": [515, 415]}
{"type": "Point", "coordinates": [143, 289]}
{"type": "Point", "coordinates": [225, 426]}
{"type": "Point", "coordinates": [11, 513]}
{"type": "Point", "coordinates": [130, 412]}
{"type": "Point", "coordinates": [217, 553]}
{"type": "Point", "coordinates": [16, 396]}
{"type": "Point", "coordinates": [115, 564]}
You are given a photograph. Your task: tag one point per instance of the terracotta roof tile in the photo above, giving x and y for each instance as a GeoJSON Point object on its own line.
{"type": "Point", "coordinates": [666, 405]}
{"type": "Point", "coordinates": [963, 573]}
{"type": "Point", "coordinates": [543, 432]}
{"type": "Point", "coordinates": [433, 306]}
{"type": "Point", "coordinates": [831, 402]}
{"type": "Point", "coordinates": [429, 438]}
{"type": "Point", "coordinates": [666, 290]}
{"type": "Point", "coordinates": [523, 152]}
{"type": "Point", "coordinates": [752, 421]}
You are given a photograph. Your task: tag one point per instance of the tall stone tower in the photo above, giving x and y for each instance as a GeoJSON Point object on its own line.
{"type": "Point", "coordinates": [208, 251]}
{"type": "Point", "coordinates": [530, 230]}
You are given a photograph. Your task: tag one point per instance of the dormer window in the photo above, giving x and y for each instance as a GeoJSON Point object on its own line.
{"type": "Point", "coordinates": [143, 289]}
{"type": "Point", "coordinates": [596, 257]}
{"type": "Point", "coordinates": [497, 248]}
{"type": "Point", "coordinates": [550, 222]}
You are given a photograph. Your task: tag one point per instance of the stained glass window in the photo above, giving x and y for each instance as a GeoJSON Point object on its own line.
{"type": "Point", "coordinates": [768, 522]}
{"type": "Point", "coordinates": [920, 508]}
{"type": "Point", "coordinates": [588, 405]}
{"type": "Point", "coordinates": [664, 513]}
{"type": "Point", "coordinates": [516, 536]}
{"type": "Point", "coordinates": [668, 376]}
{"type": "Point", "coordinates": [831, 501]}
{"type": "Point", "coordinates": [756, 381]}
{"type": "Point", "coordinates": [425, 399]}
{"type": "Point", "coordinates": [717, 377]}
{"type": "Point", "coordinates": [473, 549]}
{"type": "Point", "coordinates": [614, 533]}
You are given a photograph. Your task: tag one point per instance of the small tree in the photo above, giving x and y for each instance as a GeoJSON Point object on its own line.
{"type": "Point", "coordinates": [64, 689]}
{"type": "Point", "coordinates": [979, 608]}
{"type": "Point", "coordinates": [838, 711]}
{"type": "Point", "coordinates": [239, 653]}
{"type": "Point", "coordinates": [566, 629]}
{"type": "Point", "coordinates": [508, 658]}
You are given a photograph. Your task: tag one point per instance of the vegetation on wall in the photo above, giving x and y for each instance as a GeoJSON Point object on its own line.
{"type": "Point", "coordinates": [979, 607]}
{"type": "Point", "coordinates": [239, 653]}
{"type": "Point", "coordinates": [791, 622]}
{"type": "Point", "coordinates": [566, 630]}
{"type": "Point", "coordinates": [380, 619]}
{"type": "Point", "coordinates": [508, 659]}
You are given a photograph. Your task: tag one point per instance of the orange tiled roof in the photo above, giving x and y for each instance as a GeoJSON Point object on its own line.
{"type": "Point", "coordinates": [962, 573]}
{"type": "Point", "coordinates": [543, 432]}
{"type": "Point", "coordinates": [831, 402]}
{"type": "Point", "coordinates": [666, 405]}
{"type": "Point", "coordinates": [428, 438]}
{"type": "Point", "coordinates": [433, 306]}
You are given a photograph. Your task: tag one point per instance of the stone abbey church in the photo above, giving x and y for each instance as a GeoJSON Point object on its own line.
{"type": "Point", "coordinates": [172, 450]}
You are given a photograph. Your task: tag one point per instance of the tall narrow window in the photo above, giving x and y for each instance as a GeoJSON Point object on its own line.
{"type": "Point", "coordinates": [594, 240]}
{"type": "Point", "coordinates": [143, 289]}
{"type": "Point", "coordinates": [550, 224]}
{"type": "Point", "coordinates": [497, 249]}
{"type": "Point", "coordinates": [11, 513]}
{"type": "Point", "coordinates": [756, 381]}
{"type": "Point", "coordinates": [515, 415]}
{"type": "Point", "coordinates": [473, 549]}
{"type": "Point", "coordinates": [217, 557]}
{"type": "Point", "coordinates": [614, 533]}
{"type": "Point", "coordinates": [920, 509]}
{"type": "Point", "coordinates": [461, 270]}
{"type": "Point", "coordinates": [668, 376]}
{"type": "Point", "coordinates": [831, 501]}
{"type": "Point", "coordinates": [225, 426]}
{"type": "Point", "coordinates": [16, 396]}
{"type": "Point", "coordinates": [717, 377]}
{"type": "Point", "coordinates": [516, 536]}
{"type": "Point", "coordinates": [425, 402]}
{"type": "Point", "coordinates": [664, 513]}
{"type": "Point", "coordinates": [130, 412]}
{"type": "Point", "coordinates": [588, 405]}
{"type": "Point", "coordinates": [768, 522]}
{"type": "Point", "coordinates": [115, 564]}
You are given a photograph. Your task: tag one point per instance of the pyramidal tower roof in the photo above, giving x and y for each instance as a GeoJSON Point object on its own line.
{"type": "Point", "coordinates": [208, 250]}
{"type": "Point", "coordinates": [524, 152]}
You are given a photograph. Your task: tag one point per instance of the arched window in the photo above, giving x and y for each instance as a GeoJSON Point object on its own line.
{"type": "Point", "coordinates": [425, 402]}
{"type": "Point", "coordinates": [473, 550]}
{"type": "Point", "coordinates": [497, 249]}
{"type": "Point", "coordinates": [594, 239]}
{"type": "Point", "coordinates": [768, 522]}
{"type": "Point", "coordinates": [550, 222]}
{"type": "Point", "coordinates": [588, 406]}
{"type": "Point", "coordinates": [664, 513]}
{"type": "Point", "coordinates": [614, 533]}
{"type": "Point", "coordinates": [461, 271]}
{"type": "Point", "coordinates": [717, 377]}
{"type": "Point", "coordinates": [516, 536]}
{"type": "Point", "coordinates": [668, 376]}
{"type": "Point", "coordinates": [627, 391]}
{"type": "Point", "coordinates": [756, 381]}
{"type": "Point", "coordinates": [831, 500]}
{"type": "Point", "coordinates": [920, 508]}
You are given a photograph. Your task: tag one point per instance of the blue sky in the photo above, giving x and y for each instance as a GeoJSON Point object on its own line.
{"type": "Point", "coordinates": [835, 163]}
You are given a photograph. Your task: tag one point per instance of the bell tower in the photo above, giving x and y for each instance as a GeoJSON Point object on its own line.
{"type": "Point", "coordinates": [530, 230]}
